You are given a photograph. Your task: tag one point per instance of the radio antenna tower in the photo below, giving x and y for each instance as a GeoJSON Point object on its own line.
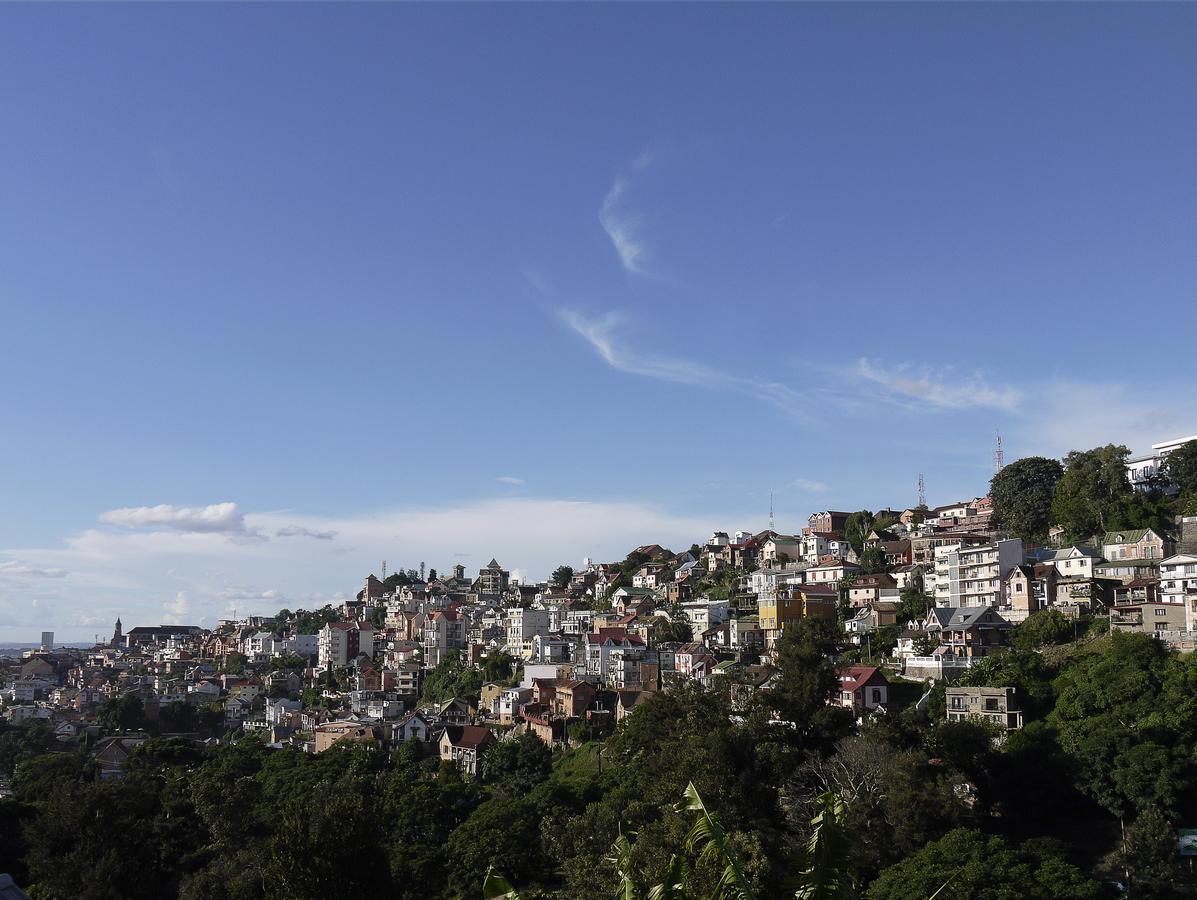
{"type": "Point", "coordinates": [384, 570]}
{"type": "Point", "coordinates": [771, 528]}
{"type": "Point", "coordinates": [998, 460]}
{"type": "Point", "coordinates": [922, 491]}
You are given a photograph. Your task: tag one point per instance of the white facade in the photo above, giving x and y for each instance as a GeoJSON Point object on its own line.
{"type": "Point", "coordinates": [1075, 562]}
{"type": "Point", "coordinates": [339, 642]}
{"type": "Point", "coordinates": [1141, 468]}
{"type": "Point", "coordinates": [968, 576]}
{"type": "Point", "coordinates": [704, 614]}
{"type": "Point", "coordinates": [301, 645]}
{"type": "Point", "coordinates": [1178, 584]}
{"type": "Point", "coordinates": [522, 625]}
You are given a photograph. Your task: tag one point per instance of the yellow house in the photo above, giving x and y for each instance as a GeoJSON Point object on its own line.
{"type": "Point", "coordinates": [785, 606]}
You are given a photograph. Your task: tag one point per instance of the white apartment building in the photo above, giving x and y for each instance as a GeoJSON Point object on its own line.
{"type": "Point", "coordinates": [340, 642]}
{"type": "Point", "coordinates": [522, 626]}
{"type": "Point", "coordinates": [1178, 584]}
{"type": "Point", "coordinates": [972, 575]}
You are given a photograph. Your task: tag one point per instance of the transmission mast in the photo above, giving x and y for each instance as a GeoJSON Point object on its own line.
{"type": "Point", "coordinates": [771, 528]}
{"type": "Point", "coordinates": [384, 570]}
{"type": "Point", "coordinates": [998, 460]}
{"type": "Point", "coordinates": [922, 491]}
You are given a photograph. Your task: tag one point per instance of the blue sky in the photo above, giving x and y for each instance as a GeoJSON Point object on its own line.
{"type": "Point", "coordinates": [439, 282]}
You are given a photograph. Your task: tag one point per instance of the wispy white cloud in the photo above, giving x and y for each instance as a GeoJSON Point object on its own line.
{"type": "Point", "coordinates": [624, 227]}
{"type": "Point", "coordinates": [216, 518]}
{"type": "Point", "coordinates": [938, 389]}
{"type": "Point", "coordinates": [298, 531]}
{"type": "Point", "coordinates": [600, 334]}
{"type": "Point", "coordinates": [810, 486]}
{"type": "Point", "coordinates": [510, 479]}
{"type": "Point", "coordinates": [20, 569]}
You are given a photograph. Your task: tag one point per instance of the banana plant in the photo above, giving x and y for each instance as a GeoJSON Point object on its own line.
{"type": "Point", "coordinates": [825, 874]}
{"type": "Point", "coordinates": [496, 887]}
{"type": "Point", "coordinates": [709, 840]}
{"type": "Point", "coordinates": [675, 880]}
{"type": "Point", "coordinates": [621, 858]}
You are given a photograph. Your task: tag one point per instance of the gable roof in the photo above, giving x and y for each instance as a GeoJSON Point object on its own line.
{"type": "Point", "coordinates": [472, 737]}
{"type": "Point", "coordinates": [1126, 536]}
{"type": "Point", "coordinates": [853, 678]}
{"type": "Point", "coordinates": [966, 617]}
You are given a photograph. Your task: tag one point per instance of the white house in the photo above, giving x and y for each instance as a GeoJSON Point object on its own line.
{"type": "Point", "coordinates": [1075, 562]}
{"type": "Point", "coordinates": [703, 613]}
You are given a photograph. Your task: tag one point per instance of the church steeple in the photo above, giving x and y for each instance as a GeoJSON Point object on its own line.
{"type": "Point", "coordinates": [117, 635]}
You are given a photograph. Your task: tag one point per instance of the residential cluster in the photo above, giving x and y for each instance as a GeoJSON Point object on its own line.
{"type": "Point", "coordinates": [457, 662]}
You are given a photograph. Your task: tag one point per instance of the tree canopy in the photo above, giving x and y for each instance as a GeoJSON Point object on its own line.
{"type": "Point", "coordinates": [1022, 495]}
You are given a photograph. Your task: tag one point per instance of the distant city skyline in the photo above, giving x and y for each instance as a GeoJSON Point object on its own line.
{"type": "Point", "coordinates": [290, 290]}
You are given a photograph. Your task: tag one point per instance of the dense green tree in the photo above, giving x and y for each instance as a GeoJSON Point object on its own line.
{"type": "Point", "coordinates": [310, 622]}
{"type": "Point", "coordinates": [1022, 496]}
{"type": "Point", "coordinates": [1045, 627]}
{"type": "Point", "coordinates": [452, 678]}
{"type": "Point", "coordinates": [1179, 469]}
{"type": "Point", "coordinates": [1149, 854]}
{"type": "Point", "coordinates": [561, 576]}
{"type": "Point", "coordinates": [515, 767]}
{"type": "Point", "coordinates": [983, 868]}
{"type": "Point", "coordinates": [123, 713]}
{"type": "Point", "coordinates": [21, 743]}
{"type": "Point", "coordinates": [320, 840]}
{"type": "Point", "coordinates": [93, 841]}
{"type": "Point", "coordinates": [677, 629]}
{"type": "Point", "coordinates": [1129, 718]}
{"type": "Point", "coordinates": [857, 527]}
{"type": "Point", "coordinates": [1093, 495]}
{"type": "Point", "coordinates": [872, 560]}
{"type": "Point", "coordinates": [913, 603]}
{"type": "Point", "coordinates": [806, 679]}
{"type": "Point", "coordinates": [498, 666]}
{"type": "Point", "coordinates": [500, 832]}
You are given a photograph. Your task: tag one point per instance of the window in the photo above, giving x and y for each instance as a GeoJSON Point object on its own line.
{"type": "Point", "coordinates": [1160, 611]}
